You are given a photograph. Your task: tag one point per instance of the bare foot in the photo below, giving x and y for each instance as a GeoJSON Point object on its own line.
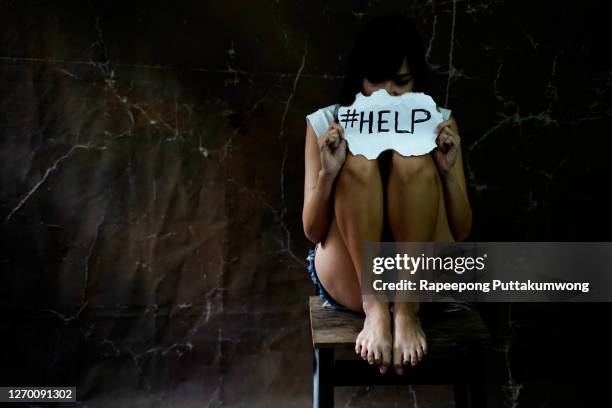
{"type": "Point", "coordinates": [409, 342]}
{"type": "Point", "coordinates": [374, 341]}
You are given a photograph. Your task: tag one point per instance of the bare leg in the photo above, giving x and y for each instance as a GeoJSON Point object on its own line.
{"type": "Point", "coordinates": [413, 195]}
{"type": "Point", "coordinates": [359, 214]}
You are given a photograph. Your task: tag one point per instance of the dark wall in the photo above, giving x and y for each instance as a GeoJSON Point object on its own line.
{"type": "Point", "coordinates": [151, 168]}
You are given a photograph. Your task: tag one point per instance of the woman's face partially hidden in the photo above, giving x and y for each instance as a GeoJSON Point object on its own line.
{"type": "Point", "coordinates": [397, 85]}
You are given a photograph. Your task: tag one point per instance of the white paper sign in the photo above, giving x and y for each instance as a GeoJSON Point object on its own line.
{"type": "Point", "coordinates": [379, 122]}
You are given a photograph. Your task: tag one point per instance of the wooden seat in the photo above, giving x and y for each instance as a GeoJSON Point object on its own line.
{"type": "Point", "coordinates": [454, 338]}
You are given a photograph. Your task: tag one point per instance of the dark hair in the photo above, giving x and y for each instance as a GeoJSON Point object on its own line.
{"type": "Point", "coordinates": [378, 52]}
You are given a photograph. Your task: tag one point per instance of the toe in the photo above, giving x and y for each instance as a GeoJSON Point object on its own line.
{"type": "Point", "coordinates": [371, 356]}
{"type": "Point", "coordinates": [364, 352]}
{"type": "Point", "coordinates": [378, 356]}
{"type": "Point", "coordinates": [406, 357]}
{"type": "Point", "coordinates": [419, 353]}
{"type": "Point", "coordinates": [386, 356]}
{"type": "Point", "coordinates": [397, 362]}
{"type": "Point", "coordinates": [386, 360]}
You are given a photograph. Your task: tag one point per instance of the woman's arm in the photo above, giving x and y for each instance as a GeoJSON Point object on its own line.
{"type": "Point", "coordinates": [449, 159]}
{"type": "Point", "coordinates": [322, 161]}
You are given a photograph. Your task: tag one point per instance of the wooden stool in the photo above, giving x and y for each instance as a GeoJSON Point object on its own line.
{"type": "Point", "coordinates": [455, 354]}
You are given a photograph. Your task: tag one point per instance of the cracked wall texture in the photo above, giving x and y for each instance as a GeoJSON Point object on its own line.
{"type": "Point", "coordinates": [151, 177]}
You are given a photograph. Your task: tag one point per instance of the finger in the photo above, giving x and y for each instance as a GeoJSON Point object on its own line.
{"type": "Point", "coordinates": [326, 145]}
{"type": "Point", "coordinates": [333, 143]}
{"type": "Point", "coordinates": [337, 138]}
{"type": "Point", "coordinates": [441, 142]}
{"type": "Point", "coordinates": [450, 132]}
{"type": "Point", "coordinates": [333, 138]}
{"type": "Point", "coordinates": [357, 348]}
{"type": "Point", "coordinates": [340, 151]}
{"type": "Point", "coordinates": [413, 357]}
{"type": "Point", "coordinates": [446, 131]}
{"type": "Point", "coordinates": [324, 140]}
{"type": "Point", "coordinates": [332, 128]}
{"type": "Point", "coordinates": [443, 124]}
{"type": "Point", "coordinates": [450, 144]}
{"type": "Point", "coordinates": [338, 127]}
{"type": "Point", "coordinates": [364, 352]}
{"type": "Point", "coordinates": [456, 138]}
{"type": "Point", "coordinates": [443, 132]}
{"type": "Point", "coordinates": [447, 141]}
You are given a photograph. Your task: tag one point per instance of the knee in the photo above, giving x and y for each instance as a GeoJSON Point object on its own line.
{"type": "Point", "coordinates": [414, 169]}
{"type": "Point", "coordinates": [358, 169]}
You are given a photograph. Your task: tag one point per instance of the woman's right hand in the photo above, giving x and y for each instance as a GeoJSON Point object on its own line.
{"type": "Point", "coordinates": [332, 147]}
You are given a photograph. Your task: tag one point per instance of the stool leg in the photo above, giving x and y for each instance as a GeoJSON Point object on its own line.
{"type": "Point", "coordinates": [322, 381]}
{"type": "Point", "coordinates": [476, 385]}
{"type": "Point", "coordinates": [460, 385]}
{"type": "Point", "coordinates": [461, 394]}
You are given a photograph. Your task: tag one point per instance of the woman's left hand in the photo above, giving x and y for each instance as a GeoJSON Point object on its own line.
{"type": "Point", "coordinates": [448, 141]}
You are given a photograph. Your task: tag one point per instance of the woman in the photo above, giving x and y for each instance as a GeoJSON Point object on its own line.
{"type": "Point", "coordinates": [349, 200]}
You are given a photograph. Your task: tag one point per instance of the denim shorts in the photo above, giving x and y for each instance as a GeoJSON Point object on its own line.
{"type": "Point", "coordinates": [328, 300]}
